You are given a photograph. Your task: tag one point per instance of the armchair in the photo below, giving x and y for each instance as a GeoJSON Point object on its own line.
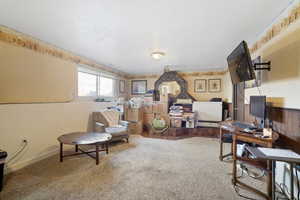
{"type": "Point", "coordinates": [108, 121]}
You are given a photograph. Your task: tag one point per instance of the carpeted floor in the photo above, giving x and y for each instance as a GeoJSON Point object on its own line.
{"type": "Point", "coordinates": [144, 169]}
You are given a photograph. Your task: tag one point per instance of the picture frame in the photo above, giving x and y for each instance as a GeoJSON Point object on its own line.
{"type": "Point", "coordinates": [200, 85]}
{"type": "Point", "coordinates": [138, 87]}
{"type": "Point", "coordinates": [258, 74]}
{"type": "Point", "coordinates": [214, 85]}
{"type": "Point", "coordinates": [122, 86]}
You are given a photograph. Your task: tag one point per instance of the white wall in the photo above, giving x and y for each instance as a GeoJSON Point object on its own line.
{"type": "Point", "coordinates": [41, 124]}
{"type": "Point", "coordinates": [282, 83]}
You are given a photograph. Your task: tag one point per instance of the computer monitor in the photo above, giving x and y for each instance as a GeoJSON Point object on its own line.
{"type": "Point", "coordinates": [258, 107]}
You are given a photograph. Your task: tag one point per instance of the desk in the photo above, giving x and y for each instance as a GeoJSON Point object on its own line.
{"type": "Point", "coordinates": [258, 154]}
{"type": "Point", "coordinates": [238, 135]}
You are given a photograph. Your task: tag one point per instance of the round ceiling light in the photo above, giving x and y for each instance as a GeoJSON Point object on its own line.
{"type": "Point", "coordinates": [157, 55]}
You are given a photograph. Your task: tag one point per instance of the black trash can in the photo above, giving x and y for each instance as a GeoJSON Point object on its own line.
{"type": "Point", "coordinates": [3, 156]}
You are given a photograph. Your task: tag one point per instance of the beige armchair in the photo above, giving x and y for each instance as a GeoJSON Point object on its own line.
{"type": "Point", "coordinates": [108, 121]}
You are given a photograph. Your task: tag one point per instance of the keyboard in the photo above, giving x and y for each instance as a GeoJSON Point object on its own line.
{"type": "Point", "coordinates": [243, 125]}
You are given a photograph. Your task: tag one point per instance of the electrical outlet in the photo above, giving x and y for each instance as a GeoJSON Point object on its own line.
{"type": "Point", "coordinates": [24, 140]}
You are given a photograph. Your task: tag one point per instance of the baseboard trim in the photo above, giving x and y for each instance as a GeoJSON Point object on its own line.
{"type": "Point", "coordinates": [29, 161]}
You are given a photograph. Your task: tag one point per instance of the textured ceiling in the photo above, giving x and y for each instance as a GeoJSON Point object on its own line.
{"type": "Point", "coordinates": [195, 34]}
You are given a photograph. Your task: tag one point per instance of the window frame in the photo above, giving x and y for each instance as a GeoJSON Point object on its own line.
{"type": "Point", "coordinates": [97, 81]}
{"type": "Point", "coordinates": [98, 74]}
{"type": "Point", "coordinates": [114, 89]}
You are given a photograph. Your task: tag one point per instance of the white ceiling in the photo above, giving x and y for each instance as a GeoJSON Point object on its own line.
{"type": "Point", "coordinates": [194, 34]}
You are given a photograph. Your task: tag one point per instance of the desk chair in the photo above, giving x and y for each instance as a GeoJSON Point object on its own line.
{"type": "Point", "coordinates": [226, 138]}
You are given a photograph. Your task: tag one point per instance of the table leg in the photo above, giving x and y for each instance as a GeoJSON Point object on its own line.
{"type": "Point", "coordinates": [292, 180]}
{"type": "Point", "coordinates": [76, 148]}
{"type": "Point", "coordinates": [1, 176]}
{"type": "Point", "coordinates": [234, 159]}
{"type": "Point", "coordinates": [61, 155]}
{"type": "Point", "coordinates": [106, 147]}
{"type": "Point", "coordinates": [221, 145]}
{"type": "Point", "coordinates": [270, 179]}
{"type": "Point", "coordinates": [273, 180]}
{"type": "Point", "coordinates": [97, 154]}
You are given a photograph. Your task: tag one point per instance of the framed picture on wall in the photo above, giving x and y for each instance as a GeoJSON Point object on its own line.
{"type": "Point", "coordinates": [138, 87]}
{"type": "Point", "coordinates": [214, 85]}
{"type": "Point", "coordinates": [200, 85]}
{"type": "Point", "coordinates": [121, 86]}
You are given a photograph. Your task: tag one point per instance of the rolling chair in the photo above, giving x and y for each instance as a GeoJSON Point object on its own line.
{"type": "Point", "coordinates": [226, 138]}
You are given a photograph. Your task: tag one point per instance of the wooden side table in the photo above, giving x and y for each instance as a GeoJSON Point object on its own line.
{"type": "Point", "coordinates": [83, 138]}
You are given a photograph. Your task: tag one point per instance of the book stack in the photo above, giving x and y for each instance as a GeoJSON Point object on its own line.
{"type": "Point", "coordinates": [176, 111]}
{"type": "Point", "coordinates": [176, 116]}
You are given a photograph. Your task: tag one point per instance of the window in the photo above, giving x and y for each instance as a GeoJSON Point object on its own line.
{"type": "Point", "coordinates": [87, 84]}
{"type": "Point", "coordinates": [95, 84]}
{"type": "Point", "coordinates": [106, 87]}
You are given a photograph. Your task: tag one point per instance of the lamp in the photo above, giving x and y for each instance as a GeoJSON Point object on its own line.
{"type": "Point", "coordinates": [157, 55]}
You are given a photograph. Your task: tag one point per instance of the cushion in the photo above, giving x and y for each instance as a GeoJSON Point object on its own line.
{"type": "Point", "coordinates": [116, 132]}
{"type": "Point", "coordinates": [227, 138]}
{"type": "Point", "coordinates": [116, 129]}
{"type": "Point", "coordinates": [112, 117]}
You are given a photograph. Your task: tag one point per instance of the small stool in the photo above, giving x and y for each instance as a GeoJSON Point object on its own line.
{"type": "Point", "coordinates": [3, 155]}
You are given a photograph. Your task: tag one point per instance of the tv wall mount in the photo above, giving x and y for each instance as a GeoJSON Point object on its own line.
{"type": "Point", "coordinates": [257, 66]}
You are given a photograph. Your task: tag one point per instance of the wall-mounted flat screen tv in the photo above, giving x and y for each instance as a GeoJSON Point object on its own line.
{"type": "Point", "coordinates": [240, 65]}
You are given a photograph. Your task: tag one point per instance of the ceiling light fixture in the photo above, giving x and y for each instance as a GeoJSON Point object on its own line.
{"type": "Point", "coordinates": [157, 55]}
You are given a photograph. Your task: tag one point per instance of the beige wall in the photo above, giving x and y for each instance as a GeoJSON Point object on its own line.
{"type": "Point", "coordinates": [41, 123]}
{"type": "Point", "coordinates": [190, 78]}
{"type": "Point", "coordinates": [282, 83]}
{"type": "Point", "coordinates": [228, 87]}
{"type": "Point", "coordinates": [28, 77]}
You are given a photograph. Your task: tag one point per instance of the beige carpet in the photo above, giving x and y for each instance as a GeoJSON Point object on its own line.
{"type": "Point", "coordinates": [144, 169]}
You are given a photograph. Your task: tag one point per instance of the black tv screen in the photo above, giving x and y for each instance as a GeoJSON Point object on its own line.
{"type": "Point", "coordinates": [258, 106]}
{"type": "Point", "coordinates": [240, 65]}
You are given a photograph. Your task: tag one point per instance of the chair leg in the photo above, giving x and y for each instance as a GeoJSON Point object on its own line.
{"type": "Point", "coordinates": [97, 154]}
{"type": "Point", "coordinates": [221, 145]}
{"type": "Point", "coordinates": [234, 170]}
{"type": "Point", "coordinates": [61, 155]}
{"type": "Point", "coordinates": [106, 147]}
{"type": "Point", "coordinates": [1, 176]}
